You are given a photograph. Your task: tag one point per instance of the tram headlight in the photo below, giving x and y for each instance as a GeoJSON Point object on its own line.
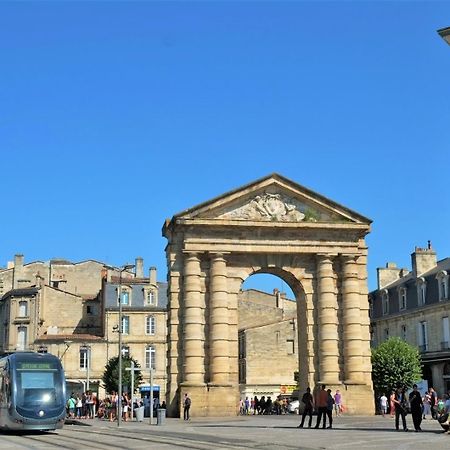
{"type": "Point", "coordinates": [41, 413]}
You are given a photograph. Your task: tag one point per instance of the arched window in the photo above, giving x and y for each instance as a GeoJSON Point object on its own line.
{"type": "Point", "coordinates": [421, 291]}
{"type": "Point", "coordinates": [402, 298]}
{"type": "Point", "coordinates": [151, 297]}
{"type": "Point", "coordinates": [150, 325]}
{"type": "Point", "coordinates": [442, 279]}
{"type": "Point", "coordinates": [150, 357]}
{"type": "Point", "coordinates": [385, 301]}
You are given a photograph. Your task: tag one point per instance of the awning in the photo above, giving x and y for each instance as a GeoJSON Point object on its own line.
{"type": "Point", "coordinates": [146, 388]}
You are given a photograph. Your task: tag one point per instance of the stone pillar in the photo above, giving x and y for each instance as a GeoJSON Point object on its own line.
{"type": "Point", "coordinates": [218, 330]}
{"type": "Point", "coordinates": [328, 322]}
{"type": "Point", "coordinates": [194, 319]}
{"type": "Point", "coordinates": [351, 320]}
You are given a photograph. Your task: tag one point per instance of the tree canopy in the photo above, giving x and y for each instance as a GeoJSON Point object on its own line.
{"type": "Point", "coordinates": [111, 374]}
{"type": "Point", "coordinates": [394, 363]}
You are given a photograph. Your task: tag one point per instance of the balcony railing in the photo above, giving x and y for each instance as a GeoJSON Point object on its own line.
{"type": "Point", "coordinates": [445, 345]}
{"type": "Point", "coordinates": [423, 348]}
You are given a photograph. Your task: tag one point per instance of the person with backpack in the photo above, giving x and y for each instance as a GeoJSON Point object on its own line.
{"type": "Point", "coordinates": [186, 406]}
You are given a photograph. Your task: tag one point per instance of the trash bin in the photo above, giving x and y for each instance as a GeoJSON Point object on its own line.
{"type": "Point", "coordinates": [160, 416]}
{"type": "Point", "coordinates": [139, 413]}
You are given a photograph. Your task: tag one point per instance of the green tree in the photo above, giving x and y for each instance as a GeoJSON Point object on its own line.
{"type": "Point", "coordinates": [395, 362]}
{"type": "Point", "coordinates": [111, 374]}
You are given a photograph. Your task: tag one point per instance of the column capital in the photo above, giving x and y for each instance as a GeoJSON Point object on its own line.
{"type": "Point", "coordinates": [217, 255]}
{"type": "Point", "coordinates": [349, 257]}
{"type": "Point", "coordinates": [190, 255]}
{"type": "Point", "coordinates": [325, 257]}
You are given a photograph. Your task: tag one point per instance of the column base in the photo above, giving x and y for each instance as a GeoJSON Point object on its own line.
{"type": "Point", "coordinates": [211, 400]}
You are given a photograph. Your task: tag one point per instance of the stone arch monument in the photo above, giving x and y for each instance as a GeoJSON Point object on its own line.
{"type": "Point", "coordinates": [276, 226]}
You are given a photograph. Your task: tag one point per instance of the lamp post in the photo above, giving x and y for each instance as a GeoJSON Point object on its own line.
{"type": "Point", "coordinates": [119, 400]}
{"type": "Point", "coordinates": [445, 34]}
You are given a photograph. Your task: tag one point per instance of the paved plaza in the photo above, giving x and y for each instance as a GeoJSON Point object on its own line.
{"type": "Point", "coordinates": [254, 432]}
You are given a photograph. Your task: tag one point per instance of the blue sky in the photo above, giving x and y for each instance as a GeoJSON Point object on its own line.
{"type": "Point", "coordinates": [117, 115]}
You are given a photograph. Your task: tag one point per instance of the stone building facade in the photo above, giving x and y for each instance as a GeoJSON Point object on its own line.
{"type": "Point", "coordinates": [274, 226]}
{"type": "Point", "coordinates": [415, 306]}
{"type": "Point", "coordinates": [268, 345]}
{"type": "Point", "coordinates": [144, 326]}
{"type": "Point", "coordinates": [71, 310]}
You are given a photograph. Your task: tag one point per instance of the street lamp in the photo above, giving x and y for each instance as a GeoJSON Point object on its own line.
{"type": "Point", "coordinates": [445, 34]}
{"type": "Point", "coordinates": [119, 394]}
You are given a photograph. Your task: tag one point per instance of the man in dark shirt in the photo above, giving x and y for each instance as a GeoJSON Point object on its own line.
{"type": "Point", "coordinates": [308, 401]}
{"type": "Point", "coordinates": [416, 404]}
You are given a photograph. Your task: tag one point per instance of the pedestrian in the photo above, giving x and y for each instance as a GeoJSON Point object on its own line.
{"type": "Point", "coordinates": [383, 404]}
{"type": "Point", "coordinates": [392, 403]}
{"type": "Point", "coordinates": [330, 406]}
{"type": "Point", "coordinates": [426, 400]}
{"type": "Point", "coordinates": [187, 406]}
{"type": "Point", "coordinates": [400, 408]}
{"type": "Point", "coordinates": [308, 401]}
{"type": "Point", "coordinates": [416, 405]}
{"type": "Point", "coordinates": [321, 404]}
{"type": "Point", "coordinates": [433, 403]}
{"type": "Point", "coordinates": [338, 402]}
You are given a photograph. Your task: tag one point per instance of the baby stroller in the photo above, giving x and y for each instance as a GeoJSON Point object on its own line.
{"type": "Point", "coordinates": [444, 421]}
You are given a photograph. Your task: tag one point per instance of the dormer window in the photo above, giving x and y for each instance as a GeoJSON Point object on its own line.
{"type": "Point", "coordinates": [151, 297]}
{"type": "Point", "coordinates": [402, 298]}
{"type": "Point", "coordinates": [385, 302]}
{"type": "Point", "coordinates": [442, 279]}
{"type": "Point", "coordinates": [125, 296]}
{"type": "Point", "coordinates": [421, 291]}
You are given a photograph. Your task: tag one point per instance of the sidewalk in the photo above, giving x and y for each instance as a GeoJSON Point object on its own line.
{"type": "Point", "coordinates": [281, 432]}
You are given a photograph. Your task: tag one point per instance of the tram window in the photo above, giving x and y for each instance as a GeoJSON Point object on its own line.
{"type": "Point", "coordinates": [38, 387]}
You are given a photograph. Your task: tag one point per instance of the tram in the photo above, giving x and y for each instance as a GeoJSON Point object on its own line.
{"type": "Point", "coordinates": [32, 392]}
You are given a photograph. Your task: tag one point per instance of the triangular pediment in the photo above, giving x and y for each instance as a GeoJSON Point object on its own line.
{"type": "Point", "coordinates": [273, 199]}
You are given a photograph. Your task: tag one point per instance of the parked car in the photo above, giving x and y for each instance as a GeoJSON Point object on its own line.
{"type": "Point", "coordinates": [294, 407]}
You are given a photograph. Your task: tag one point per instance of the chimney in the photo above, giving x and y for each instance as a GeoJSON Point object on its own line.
{"type": "Point", "coordinates": [153, 275]}
{"type": "Point", "coordinates": [18, 261]}
{"type": "Point", "coordinates": [387, 275]}
{"type": "Point", "coordinates": [279, 299]}
{"type": "Point", "coordinates": [423, 260]}
{"type": "Point", "coordinates": [17, 272]}
{"type": "Point", "coordinates": [139, 270]}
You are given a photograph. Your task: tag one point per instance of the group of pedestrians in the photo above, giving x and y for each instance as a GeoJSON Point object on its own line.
{"type": "Point", "coordinates": [86, 405]}
{"type": "Point", "coordinates": [263, 406]}
{"type": "Point", "coordinates": [325, 403]}
{"type": "Point", "coordinates": [401, 404]}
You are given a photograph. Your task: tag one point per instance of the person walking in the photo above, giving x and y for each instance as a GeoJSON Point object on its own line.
{"type": "Point", "coordinates": [392, 403]}
{"type": "Point", "coordinates": [308, 401]}
{"type": "Point", "coordinates": [400, 408]}
{"type": "Point", "coordinates": [383, 404]}
{"type": "Point", "coordinates": [186, 406]}
{"type": "Point", "coordinates": [426, 400]}
{"type": "Point", "coordinates": [330, 405]}
{"type": "Point", "coordinates": [321, 404]}
{"type": "Point", "coordinates": [416, 405]}
{"type": "Point", "coordinates": [338, 402]}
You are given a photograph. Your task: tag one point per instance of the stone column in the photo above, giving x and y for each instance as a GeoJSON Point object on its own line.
{"type": "Point", "coordinates": [351, 320]}
{"type": "Point", "coordinates": [194, 336]}
{"type": "Point", "coordinates": [218, 331]}
{"type": "Point", "coordinates": [328, 322]}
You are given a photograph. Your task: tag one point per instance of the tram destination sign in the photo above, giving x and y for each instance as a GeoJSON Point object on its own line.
{"type": "Point", "coordinates": [36, 366]}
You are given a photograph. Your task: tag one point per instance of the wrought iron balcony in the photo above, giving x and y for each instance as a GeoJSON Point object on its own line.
{"type": "Point", "coordinates": [423, 348]}
{"type": "Point", "coordinates": [445, 345]}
